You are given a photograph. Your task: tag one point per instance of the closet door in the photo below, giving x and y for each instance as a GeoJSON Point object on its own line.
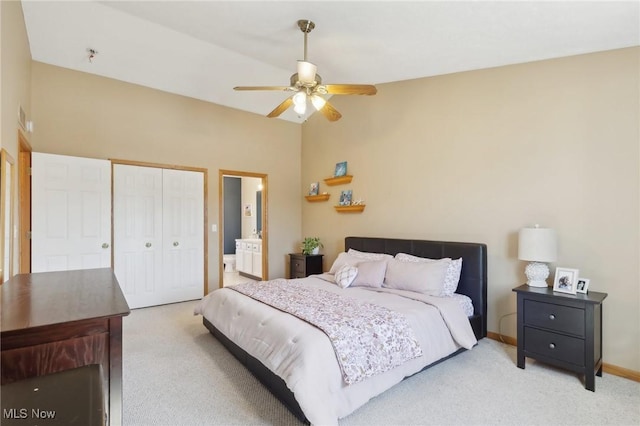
{"type": "Point", "coordinates": [183, 234]}
{"type": "Point", "coordinates": [137, 225]}
{"type": "Point", "coordinates": [71, 213]}
{"type": "Point", "coordinates": [158, 219]}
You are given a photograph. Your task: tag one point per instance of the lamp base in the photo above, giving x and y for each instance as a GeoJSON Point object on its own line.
{"type": "Point", "coordinates": [537, 273]}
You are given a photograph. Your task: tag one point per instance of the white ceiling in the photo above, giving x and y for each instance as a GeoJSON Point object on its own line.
{"type": "Point", "coordinates": [202, 49]}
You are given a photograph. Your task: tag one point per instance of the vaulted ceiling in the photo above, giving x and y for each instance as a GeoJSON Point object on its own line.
{"type": "Point", "coordinates": [202, 49]}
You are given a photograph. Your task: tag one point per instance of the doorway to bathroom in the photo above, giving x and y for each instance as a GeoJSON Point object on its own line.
{"type": "Point", "coordinates": [243, 236]}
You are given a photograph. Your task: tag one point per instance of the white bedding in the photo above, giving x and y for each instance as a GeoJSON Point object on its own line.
{"type": "Point", "coordinates": [304, 358]}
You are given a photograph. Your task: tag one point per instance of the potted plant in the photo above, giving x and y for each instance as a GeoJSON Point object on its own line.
{"type": "Point", "coordinates": [311, 245]}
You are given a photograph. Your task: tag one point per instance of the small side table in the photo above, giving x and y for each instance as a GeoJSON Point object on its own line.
{"type": "Point", "coordinates": [561, 329]}
{"type": "Point", "coordinates": [303, 265]}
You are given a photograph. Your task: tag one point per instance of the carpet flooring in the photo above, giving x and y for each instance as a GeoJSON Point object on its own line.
{"type": "Point", "coordinates": [176, 373]}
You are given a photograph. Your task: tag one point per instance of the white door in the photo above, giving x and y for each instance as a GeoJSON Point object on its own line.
{"type": "Point", "coordinates": [158, 234]}
{"type": "Point", "coordinates": [183, 234]}
{"type": "Point", "coordinates": [71, 213]}
{"type": "Point", "coordinates": [137, 232]}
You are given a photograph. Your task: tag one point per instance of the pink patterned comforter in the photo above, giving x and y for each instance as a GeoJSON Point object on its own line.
{"type": "Point", "coordinates": [368, 339]}
{"type": "Point", "coordinates": [303, 356]}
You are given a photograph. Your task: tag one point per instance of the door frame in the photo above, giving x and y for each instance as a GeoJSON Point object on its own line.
{"type": "Point", "coordinates": [206, 209]}
{"type": "Point", "coordinates": [7, 207]}
{"type": "Point", "coordinates": [24, 208]}
{"type": "Point", "coordinates": [265, 229]}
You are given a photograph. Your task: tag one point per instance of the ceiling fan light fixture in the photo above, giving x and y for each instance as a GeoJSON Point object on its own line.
{"type": "Point", "coordinates": [307, 85]}
{"type": "Point", "coordinates": [300, 102]}
{"type": "Point", "coordinates": [307, 72]}
{"type": "Point", "coordinates": [318, 102]}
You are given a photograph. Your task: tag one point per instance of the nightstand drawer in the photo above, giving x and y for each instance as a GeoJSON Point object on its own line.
{"type": "Point", "coordinates": [554, 317]}
{"type": "Point", "coordinates": [297, 265]}
{"type": "Point", "coordinates": [556, 346]}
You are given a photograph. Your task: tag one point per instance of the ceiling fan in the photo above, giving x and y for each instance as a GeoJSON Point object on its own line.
{"type": "Point", "coordinates": [307, 85]}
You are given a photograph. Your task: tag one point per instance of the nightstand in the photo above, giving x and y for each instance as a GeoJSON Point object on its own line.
{"type": "Point", "coordinates": [561, 329]}
{"type": "Point", "coordinates": [302, 265]}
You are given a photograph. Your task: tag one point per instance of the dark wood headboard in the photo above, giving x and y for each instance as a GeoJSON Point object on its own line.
{"type": "Point", "coordinates": [473, 278]}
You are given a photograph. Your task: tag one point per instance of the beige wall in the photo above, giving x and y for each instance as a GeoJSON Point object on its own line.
{"type": "Point", "coordinates": [15, 82]}
{"type": "Point", "coordinates": [15, 90]}
{"type": "Point", "coordinates": [84, 115]}
{"type": "Point", "coordinates": [476, 156]}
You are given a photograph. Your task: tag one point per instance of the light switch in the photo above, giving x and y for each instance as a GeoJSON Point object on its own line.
{"type": "Point", "coordinates": [214, 228]}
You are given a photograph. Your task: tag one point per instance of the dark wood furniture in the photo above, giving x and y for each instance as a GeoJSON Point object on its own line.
{"type": "Point", "coordinates": [70, 397]}
{"type": "Point", "coordinates": [55, 321]}
{"type": "Point", "coordinates": [303, 265]}
{"type": "Point", "coordinates": [561, 329]}
{"type": "Point", "coordinates": [473, 283]}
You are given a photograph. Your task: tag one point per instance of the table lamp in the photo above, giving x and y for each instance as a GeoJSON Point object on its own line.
{"type": "Point", "coordinates": [538, 246]}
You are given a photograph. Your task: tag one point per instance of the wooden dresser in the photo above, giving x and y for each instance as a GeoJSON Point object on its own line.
{"type": "Point", "coordinates": [55, 321]}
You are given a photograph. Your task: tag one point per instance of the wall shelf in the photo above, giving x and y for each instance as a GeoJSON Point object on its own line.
{"type": "Point", "coordinates": [340, 180]}
{"type": "Point", "coordinates": [350, 209]}
{"type": "Point", "coordinates": [316, 198]}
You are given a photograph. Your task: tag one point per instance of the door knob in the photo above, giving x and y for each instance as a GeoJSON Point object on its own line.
{"type": "Point", "coordinates": [105, 245]}
{"type": "Point", "coordinates": [147, 245]}
{"type": "Point", "coordinates": [176, 244]}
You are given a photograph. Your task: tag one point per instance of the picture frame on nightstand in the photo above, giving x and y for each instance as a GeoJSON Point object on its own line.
{"type": "Point", "coordinates": [566, 280]}
{"type": "Point", "coordinates": [583, 285]}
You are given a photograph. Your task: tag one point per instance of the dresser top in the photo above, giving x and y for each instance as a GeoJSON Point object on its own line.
{"type": "Point", "coordinates": [590, 297]}
{"type": "Point", "coordinates": [47, 298]}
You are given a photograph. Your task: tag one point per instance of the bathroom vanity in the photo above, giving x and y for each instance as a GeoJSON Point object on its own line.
{"type": "Point", "coordinates": [249, 257]}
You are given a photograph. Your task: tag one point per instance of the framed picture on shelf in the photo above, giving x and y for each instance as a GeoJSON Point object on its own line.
{"type": "Point", "coordinates": [583, 285]}
{"type": "Point", "coordinates": [566, 280]}
{"type": "Point", "coordinates": [313, 188]}
{"type": "Point", "coordinates": [345, 198]}
{"type": "Point", "coordinates": [341, 169]}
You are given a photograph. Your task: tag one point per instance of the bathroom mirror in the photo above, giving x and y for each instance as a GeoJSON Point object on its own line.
{"type": "Point", "coordinates": [6, 214]}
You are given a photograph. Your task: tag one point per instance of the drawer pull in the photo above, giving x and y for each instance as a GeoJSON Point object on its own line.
{"type": "Point", "coordinates": [552, 317]}
{"type": "Point", "coordinates": [552, 345]}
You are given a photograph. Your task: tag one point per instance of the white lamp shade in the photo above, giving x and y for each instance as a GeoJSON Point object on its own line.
{"type": "Point", "coordinates": [537, 245]}
{"type": "Point", "coordinates": [300, 102]}
{"type": "Point", "coordinates": [318, 102]}
{"type": "Point", "coordinates": [306, 72]}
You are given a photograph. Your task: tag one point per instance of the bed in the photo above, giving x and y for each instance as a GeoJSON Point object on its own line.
{"type": "Point", "coordinates": [295, 360]}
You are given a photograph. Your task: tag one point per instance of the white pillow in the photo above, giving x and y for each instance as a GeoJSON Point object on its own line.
{"type": "Point", "coordinates": [363, 255]}
{"type": "Point", "coordinates": [370, 274]}
{"type": "Point", "coordinates": [342, 260]}
{"type": "Point", "coordinates": [421, 277]}
{"type": "Point", "coordinates": [451, 279]}
{"type": "Point", "coordinates": [346, 275]}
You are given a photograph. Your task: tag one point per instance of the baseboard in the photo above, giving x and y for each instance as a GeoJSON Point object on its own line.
{"type": "Point", "coordinates": [504, 339]}
{"type": "Point", "coordinates": [606, 368]}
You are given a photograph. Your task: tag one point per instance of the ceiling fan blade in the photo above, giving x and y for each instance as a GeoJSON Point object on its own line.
{"type": "Point", "coordinates": [281, 108]}
{"type": "Point", "coordinates": [330, 112]}
{"type": "Point", "coordinates": [350, 89]}
{"type": "Point", "coordinates": [282, 88]}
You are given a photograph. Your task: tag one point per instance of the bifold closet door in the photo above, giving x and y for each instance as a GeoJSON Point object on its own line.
{"type": "Point", "coordinates": [158, 234]}
{"type": "Point", "coordinates": [183, 234]}
{"type": "Point", "coordinates": [71, 213]}
{"type": "Point", "coordinates": [137, 233]}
